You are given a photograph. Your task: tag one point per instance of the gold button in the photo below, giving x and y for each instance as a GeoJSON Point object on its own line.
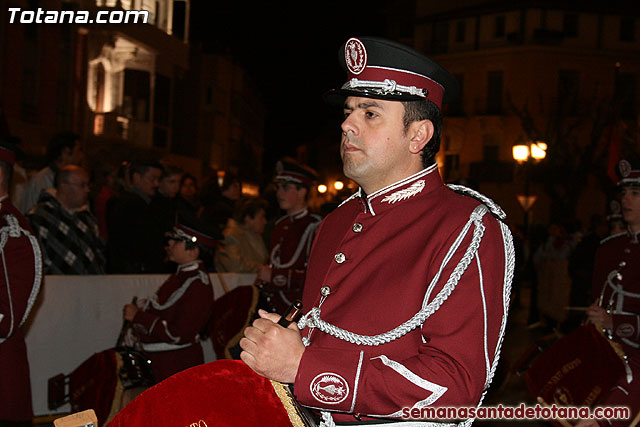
{"type": "Point", "coordinates": [340, 258]}
{"type": "Point", "coordinates": [357, 227]}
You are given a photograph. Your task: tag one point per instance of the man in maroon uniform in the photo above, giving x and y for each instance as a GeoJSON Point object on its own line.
{"type": "Point", "coordinates": [169, 323]}
{"type": "Point", "coordinates": [616, 285]}
{"type": "Point", "coordinates": [408, 282]}
{"type": "Point", "coordinates": [20, 280]}
{"type": "Point", "coordinates": [291, 237]}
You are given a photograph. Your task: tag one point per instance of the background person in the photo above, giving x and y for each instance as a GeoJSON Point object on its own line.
{"type": "Point", "coordinates": [131, 247]}
{"type": "Point", "coordinates": [169, 323]}
{"type": "Point", "coordinates": [616, 285]}
{"type": "Point", "coordinates": [64, 148]}
{"type": "Point", "coordinates": [20, 281]}
{"type": "Point", "coordinates": [290, 238]}
{"type": "Point", "coordinates": [67, 230]}
{"type": "Point", "coordinates": [243, 249]}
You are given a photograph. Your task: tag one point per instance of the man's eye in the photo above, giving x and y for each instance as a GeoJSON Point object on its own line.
{"type": "Point", "coordinates": [371, 114]}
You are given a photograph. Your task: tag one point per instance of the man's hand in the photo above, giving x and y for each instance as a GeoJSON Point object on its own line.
{"type": "Point", "coordinates": [271, 350]}
{"type": "Point", "coordinates": [599, 316]}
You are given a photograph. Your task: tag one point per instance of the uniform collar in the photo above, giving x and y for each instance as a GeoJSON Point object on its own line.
{"type": "Point", "coordinates": [299, 214]}
{"type": "Point", "coordinates": [405, 189]}
{"type": "Point", "coordinates": [190, 266]}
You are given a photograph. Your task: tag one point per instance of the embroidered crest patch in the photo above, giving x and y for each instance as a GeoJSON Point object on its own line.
{"type": "Point", "coordinates": [355, 56]}
{"type": "Point", "coordinates": [329, 388]}
{"type": "Point", "coordinates": [625, 330]}
{"type": "Point", "coordinates": [411, 191]}
{"type": "Point", "coordinates": [625, 168]}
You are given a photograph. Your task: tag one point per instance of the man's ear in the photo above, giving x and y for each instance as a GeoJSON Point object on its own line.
{"type": "Point", "coordinates": [420, 133]}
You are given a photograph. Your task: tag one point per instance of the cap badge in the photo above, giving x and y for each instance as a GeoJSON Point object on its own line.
{"type": "Point", "coordinates": [355, 55]}
{"type": "Point", "coordinates": [625, 168]}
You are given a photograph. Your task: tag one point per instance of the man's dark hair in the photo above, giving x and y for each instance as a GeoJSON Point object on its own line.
{"type": "Point", "coordinates": [58, 143]}
{"type": "Point", "coordinates": [248, 206]}
{"type": "Point", "coordinates": [142, 166]}
{"type": "Point", "coordinates": [169, 170]}
{"type": "Point", "coordinates": [415, 111]}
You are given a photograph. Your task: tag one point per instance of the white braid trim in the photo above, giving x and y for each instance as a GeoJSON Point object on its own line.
{"type": "Point", "coordinates": [509, 265]}
{"type": "Point", "coordinates": [493, 206]}
{"type": "Point", "coordinates": [311, 228]}
{"type": "Point", "coordinates": [13, 229]}
{"type": "Point", "coordinates": [178, 293]}
{"type": "Point", "coordinates": [313, 320]}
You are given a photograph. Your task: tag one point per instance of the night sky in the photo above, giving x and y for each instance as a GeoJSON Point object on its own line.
{"type": "Point", "coordinates": [291, 53]}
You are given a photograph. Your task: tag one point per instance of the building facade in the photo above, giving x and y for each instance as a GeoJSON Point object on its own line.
{"type": "Point", "coordinates": [536, 71]}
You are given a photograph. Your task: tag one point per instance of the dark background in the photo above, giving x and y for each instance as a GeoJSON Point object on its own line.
{"type": "Point", "coordinates": [290, 51]}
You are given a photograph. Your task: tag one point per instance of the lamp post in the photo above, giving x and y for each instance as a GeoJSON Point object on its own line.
{"type": "Point", "coordinates": [526, 155]}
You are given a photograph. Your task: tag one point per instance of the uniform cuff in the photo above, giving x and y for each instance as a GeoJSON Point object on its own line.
{"type": "Point", "coordinates": [323, 383]}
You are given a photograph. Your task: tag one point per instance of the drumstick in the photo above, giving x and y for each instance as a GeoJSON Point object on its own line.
{"type": "Point", "coordinates": [292, 312]}
{"type": "Point", "coordinates": [635, 421]}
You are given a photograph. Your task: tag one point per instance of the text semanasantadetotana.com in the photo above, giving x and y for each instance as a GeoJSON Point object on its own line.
{"type": "Point", "coordinates": [522, 412]}
{"type": "Point", "coordinates": [42, 16]}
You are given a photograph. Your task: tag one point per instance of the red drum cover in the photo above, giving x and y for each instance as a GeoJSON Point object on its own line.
{"type": "Point", "coordinates": [576, 370]}
{"type": "Point", "coordinates": [221, 393]}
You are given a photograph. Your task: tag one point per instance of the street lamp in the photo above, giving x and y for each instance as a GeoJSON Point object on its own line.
{"type": "Point", "coordinates": [528, 154]}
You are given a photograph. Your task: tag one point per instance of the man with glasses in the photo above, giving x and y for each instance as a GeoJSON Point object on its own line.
{"type": "Point", "coordinates": [67, 230]}
{"type": "Point", "coordinates": [291, 237]}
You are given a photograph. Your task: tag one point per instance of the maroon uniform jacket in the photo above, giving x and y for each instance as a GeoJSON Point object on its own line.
{"type": "Point", "coordinates": [172, 319]}
{"type": "Point", "coordinates": [291, 241]}
{"type": "Point", "coordinates": [616, 281]}
{"type": "Point", "coordinates": [20, 280]}
{"type": "Point", "coordinates": [408, 291]}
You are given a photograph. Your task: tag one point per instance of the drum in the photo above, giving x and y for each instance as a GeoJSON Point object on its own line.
{"type": "Point", "coordinates": [576, 370]}
{"type": "Point", "coordinates": [102, 382]}
{"type": "Point", "coordinates": [224, 393]}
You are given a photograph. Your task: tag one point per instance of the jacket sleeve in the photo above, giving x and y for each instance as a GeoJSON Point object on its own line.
{"type": "Point", "coordinates": [453, 356]}
{"type": "Point", "coordinates": [191, 313]}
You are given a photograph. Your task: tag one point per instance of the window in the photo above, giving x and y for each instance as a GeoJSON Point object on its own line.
{"type": "Point", "coordinates": [568, 87]}
{"type": "Point", "coordinates": [161, 110]}
{"type": "Point", "coordinates": [500, 26]}
{"type": "Point", "coordinates": [441, 37]}
{"type": "Point", "coordinates": [494, 92]}
{"type": "Point", "coordinates": [451, 166]}
{"type": "Point", "coordinates": [625, 94]}
{"type": "Point", "coordinates": [456, 107]}
{"type": "Point", "coordinates": [461, 29]}
{"type": "Point", "coordinates": [570, 27]}
{"type": "Point", "coordinates": [627, 29]}
{"type": "Point", "coordinates": [490, 153]}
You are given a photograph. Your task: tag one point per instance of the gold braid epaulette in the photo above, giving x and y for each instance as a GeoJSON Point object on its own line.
{"type": "Point", "coordinates": [287, 401]}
